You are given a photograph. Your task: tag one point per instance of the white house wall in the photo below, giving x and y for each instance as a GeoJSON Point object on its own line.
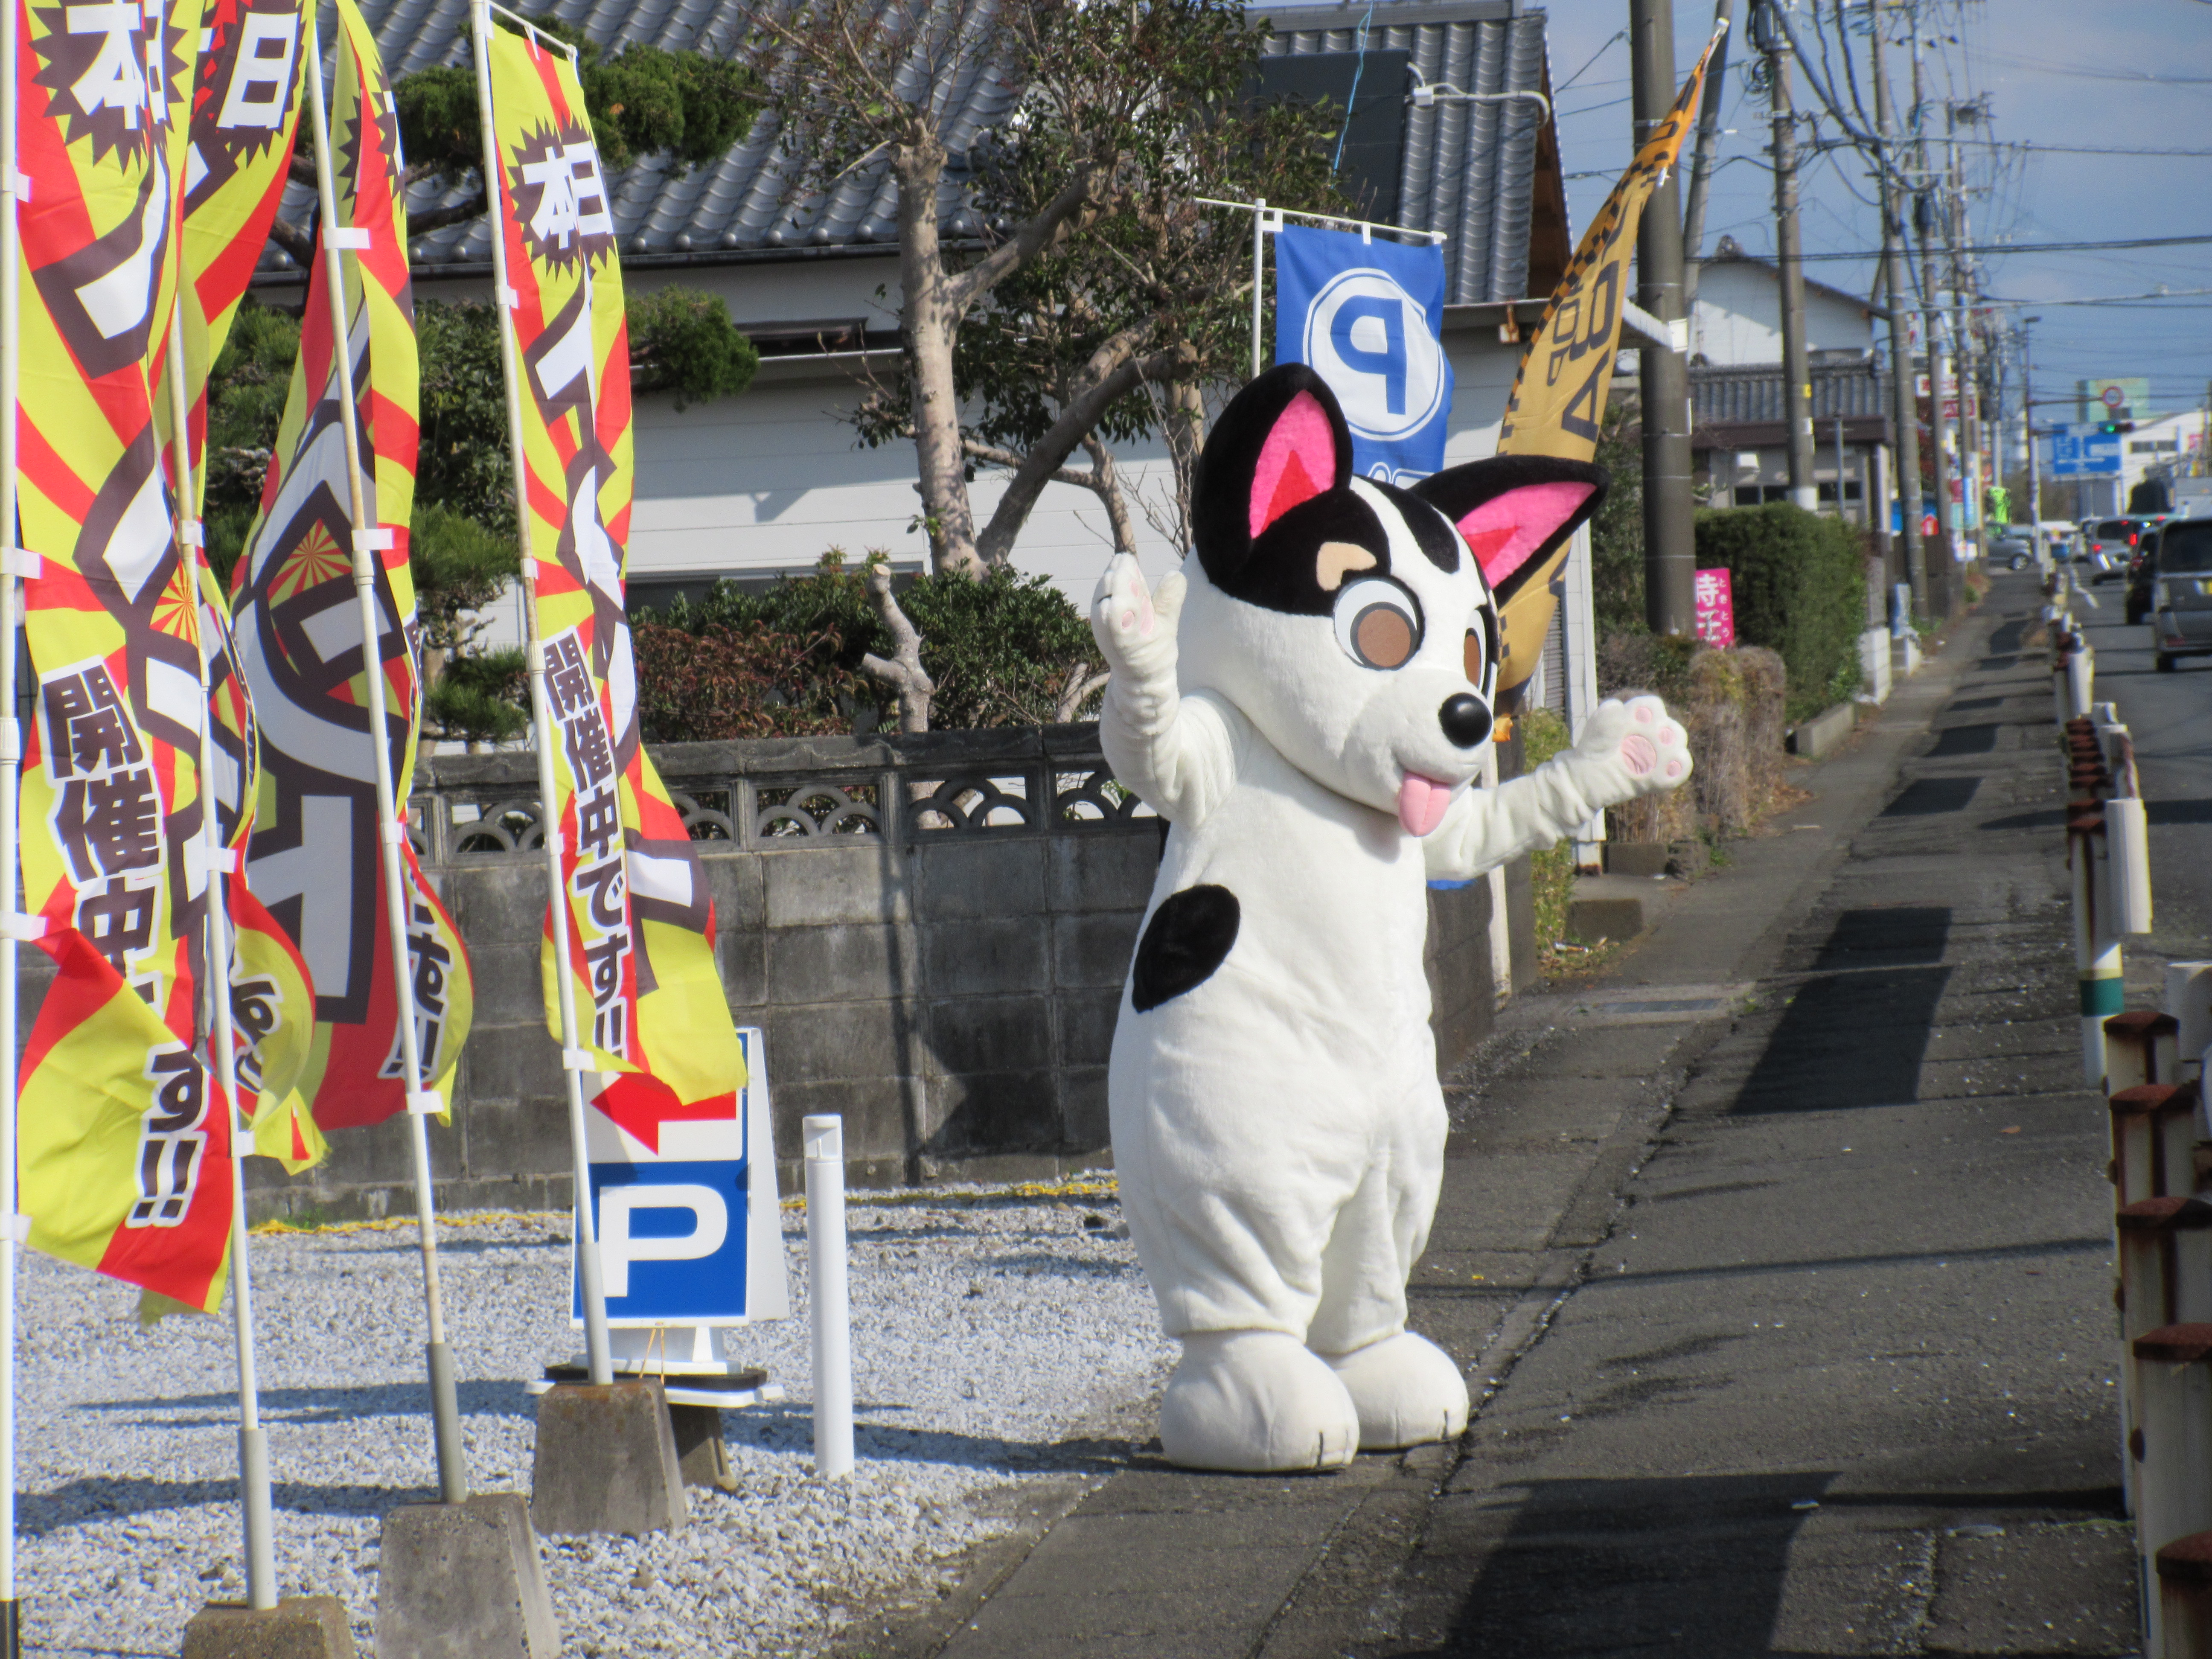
{"type": "Point", "coordinates": [767, 482]}
{"type": "Point", "coordinates": [1738, 318]}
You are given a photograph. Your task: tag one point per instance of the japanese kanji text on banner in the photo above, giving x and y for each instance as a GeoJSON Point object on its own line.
{"type": "Point", "coordinates": [652, 1014]}
{"type": "Point", "coordinates": [125, 1140]}
{"type": "Point", "coordinates": [299, 638]}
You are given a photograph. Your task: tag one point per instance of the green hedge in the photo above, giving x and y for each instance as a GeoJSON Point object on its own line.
{"type": "Point", "coordinates": [1800, 587]}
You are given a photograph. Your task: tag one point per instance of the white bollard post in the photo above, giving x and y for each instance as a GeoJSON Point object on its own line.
{"type": "Point", "coordinates": [2081, 680]}
{"type": "Point", "coordinates": [2189, 999]}
{"type": "Point", "coordinates": [2127, 863]}
{"type": "Point", "coordinates": [824, 1140]}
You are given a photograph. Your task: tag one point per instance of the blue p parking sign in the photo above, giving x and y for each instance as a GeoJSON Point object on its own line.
{"type": "Point", "coordinates": [685, 1213]}
{"type": "Point", "coordinates": [1368, 318]}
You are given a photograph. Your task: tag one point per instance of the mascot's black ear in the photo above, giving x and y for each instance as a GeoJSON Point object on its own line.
{"type": "Point", "coordinates": [1281, 441]}
{"type": "Point", "coordinates": [1515, 510]}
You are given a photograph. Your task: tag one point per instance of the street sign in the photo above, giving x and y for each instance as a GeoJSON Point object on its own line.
{"type": "Point", "coordinates": [2114, 398]}
{"type": "Point", "coordinates": [1715, 609]}
{"type": "Point", "coordinates": [2084, 451]}
{"type": "Point", "coordinates": [684, 1210]}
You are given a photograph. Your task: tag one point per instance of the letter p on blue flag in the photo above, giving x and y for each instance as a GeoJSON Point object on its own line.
{"type": "Point", "coordinates": [1368, 318]}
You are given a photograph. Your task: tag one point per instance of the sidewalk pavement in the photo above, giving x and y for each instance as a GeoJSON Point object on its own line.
{"type": "Point", "coordinates": [1779, 1261]}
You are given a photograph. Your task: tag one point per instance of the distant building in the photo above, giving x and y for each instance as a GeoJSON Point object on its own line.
{"type": "Point", "coordinates": [1737, 319]}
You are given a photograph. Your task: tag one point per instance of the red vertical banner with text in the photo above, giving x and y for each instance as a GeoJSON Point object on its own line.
{"type": "Point", "coordinates": [652, 1013]}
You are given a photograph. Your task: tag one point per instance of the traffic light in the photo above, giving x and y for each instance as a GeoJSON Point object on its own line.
{"type": "Point", "coordinates": [2111, 427]}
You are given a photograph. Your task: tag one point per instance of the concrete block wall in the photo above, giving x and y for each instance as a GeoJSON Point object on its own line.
{"type": "Point", "coordinates": [950, 992]}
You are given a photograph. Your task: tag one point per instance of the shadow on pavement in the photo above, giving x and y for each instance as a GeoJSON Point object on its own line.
{"type": "Point", "coordinates": [1925, 797]}
{"type": "Point", "coordinates": [1847, 1041]}
{"type": "Point", "coordinates": [1689, 1566]}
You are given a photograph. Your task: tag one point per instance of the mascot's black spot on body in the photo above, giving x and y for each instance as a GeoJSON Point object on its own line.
{"type": "Point", "coordinates": [1186, 940]}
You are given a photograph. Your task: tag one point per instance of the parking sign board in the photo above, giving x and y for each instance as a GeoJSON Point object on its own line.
{"type": "Point", "coordinates": [1368, 318]}
{"type": "Point", "coordinates": [687, 1222]}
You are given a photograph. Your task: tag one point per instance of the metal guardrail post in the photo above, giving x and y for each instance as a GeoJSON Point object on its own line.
{"type": "Point", "coordinates": [2139, 1048]}
{"type": "Point", "coordinates": [2183, 1592]}
{"type": "Point", "coordinates": [2172, 1368]}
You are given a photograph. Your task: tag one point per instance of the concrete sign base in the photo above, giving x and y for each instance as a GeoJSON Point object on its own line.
{"type": "Point", "coordinates": [606, 1462]}
{"type": "Point", "coordinates": [297, 1627]}
{"type": "Point", "coordinates": [464, 1581]}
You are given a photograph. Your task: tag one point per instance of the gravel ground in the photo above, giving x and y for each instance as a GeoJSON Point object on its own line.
{"type": "Point", "coordinates": [988, 1325]}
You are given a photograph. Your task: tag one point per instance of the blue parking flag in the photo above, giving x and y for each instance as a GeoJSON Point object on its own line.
{"type": "Point", "coordinates": [1368, 318]}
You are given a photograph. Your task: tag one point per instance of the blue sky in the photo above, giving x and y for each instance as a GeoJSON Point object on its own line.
{"type": "Point", "coordinates": [2125, 75]}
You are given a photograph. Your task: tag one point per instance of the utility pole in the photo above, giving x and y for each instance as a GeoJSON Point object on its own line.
{"type": "Point", "coordinates": [1969, 370]}
{"type": "Point", "coordinates": [1701, 160]}
{"type": "Point", "coordinates": [2027, 429]}
{"type": "Point", "coordinates": [1900, 343]}
{"type": "Point", "coordinates": [1670, 554]}
{"type": "Point", "coordinates": [1923, 212]}
{"type": "Point", "coordinates": [1796, 374]}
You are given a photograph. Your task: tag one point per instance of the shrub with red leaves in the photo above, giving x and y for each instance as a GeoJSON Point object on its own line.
{"type": "Point", "coordinates": [746, 680]}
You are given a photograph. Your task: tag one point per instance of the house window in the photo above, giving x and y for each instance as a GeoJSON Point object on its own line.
{"type": "Point", "coordinates": [1850, 491]}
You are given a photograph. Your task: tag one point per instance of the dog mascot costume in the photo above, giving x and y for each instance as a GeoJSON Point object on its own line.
{"type": "Point", "coordinates": [1307, 708]}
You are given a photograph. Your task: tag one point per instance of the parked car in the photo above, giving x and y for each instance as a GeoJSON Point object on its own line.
{"type": "Point", "coordinates": [2015, 552]}
{"type": "Point", "coordinates": [2109, 546]}
{"type": "Point", "coordinates": [2181, 595]}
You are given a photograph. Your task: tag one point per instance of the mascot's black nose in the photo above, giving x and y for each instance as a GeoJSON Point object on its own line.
{"type": "Point", "coordinates": [1465, 720]}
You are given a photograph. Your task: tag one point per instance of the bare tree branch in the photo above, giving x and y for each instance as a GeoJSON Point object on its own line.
{"type": "Point", "coordinates": [296, 241]}
{"type": "Point", "coordinates": [904, 674]}
{"type": "Point", "coordinates": [1079, 415]}
{"type": "Point", "coordinates": [1080, 685]}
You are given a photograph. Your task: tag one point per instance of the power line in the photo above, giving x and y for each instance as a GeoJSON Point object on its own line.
{"type": "Point", "coordinates": [1995, 248]}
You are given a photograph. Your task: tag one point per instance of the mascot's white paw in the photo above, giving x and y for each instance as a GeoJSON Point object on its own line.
{"type": "Point", "coordinates": [1408, 1390]}
{"type": "Point", "coordinates": [1257, 1402]}
{"type": "Point", "coordinates": [1136, 629]}
{"type": "Point", "coordinates": [1648, 753]}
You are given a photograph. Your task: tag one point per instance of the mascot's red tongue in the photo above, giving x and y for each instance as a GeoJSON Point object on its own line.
{"type": "Point", "coordinates": [1422, 803]}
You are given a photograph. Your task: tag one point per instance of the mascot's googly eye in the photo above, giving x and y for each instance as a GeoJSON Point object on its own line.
{"type": "Point", "coordinates": [1378, 623]}
{"type": "Point", "coordinates": [1480, 651]}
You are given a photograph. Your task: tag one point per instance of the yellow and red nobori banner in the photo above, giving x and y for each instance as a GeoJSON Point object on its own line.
{"type": "Point", "coordinates": [247, 84]}
{"type": "Point", "coordinates": [125, 1140]}
{"type": "Point", "coordinates": [298, 639]}
{"type": "Point", "coordinates": [1558, 400]}
{"type": "Point", "coordinates": [651, 1009]}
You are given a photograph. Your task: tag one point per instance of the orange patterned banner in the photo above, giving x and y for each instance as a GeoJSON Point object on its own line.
{"type": "Point", "coordinates": [125, 1140]}
{"type": "Point", "coordinates": [650, 1005]}
{"type": "Point", "coordinates": [315, 859]}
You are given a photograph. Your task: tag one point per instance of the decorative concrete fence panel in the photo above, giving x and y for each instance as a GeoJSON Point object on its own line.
{"type": "Point", "coordinates": [931, 930]}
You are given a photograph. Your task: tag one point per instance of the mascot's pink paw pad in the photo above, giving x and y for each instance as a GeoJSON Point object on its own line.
{"type": "Point", "coordinates": [1639, 754]}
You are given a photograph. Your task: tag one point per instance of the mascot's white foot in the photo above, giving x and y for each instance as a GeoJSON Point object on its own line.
{"type": "Point", "coordinates": [1408, 1390]}
{"type": "Point", "coordinates": [1258, 1402]}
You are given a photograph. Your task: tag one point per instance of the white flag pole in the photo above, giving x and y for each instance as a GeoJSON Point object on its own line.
{"type": "Point", "coordinates": [368, 540]}
{"type": "Point", "coordinates": [216, 858]}
{"type": "Point", "coordinates": [11, 761]}
{"type": "Point", "coordinates": [574, 1061]}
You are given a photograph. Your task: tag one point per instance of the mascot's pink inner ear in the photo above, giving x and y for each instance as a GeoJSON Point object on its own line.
{"type": "Point", "coordinates": [1505, 530]}
{"type": "Point", "coordinates": [1296, 463]}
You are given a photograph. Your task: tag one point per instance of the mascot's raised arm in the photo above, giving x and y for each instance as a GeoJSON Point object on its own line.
{"type": "Point", "coordinates": [1307, 707]}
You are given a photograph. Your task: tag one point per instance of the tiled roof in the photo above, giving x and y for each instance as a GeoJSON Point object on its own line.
{"type": "Point", "coordinates": [734, 206]}
{"type": "Point", "coordinates": [1468, 169]}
